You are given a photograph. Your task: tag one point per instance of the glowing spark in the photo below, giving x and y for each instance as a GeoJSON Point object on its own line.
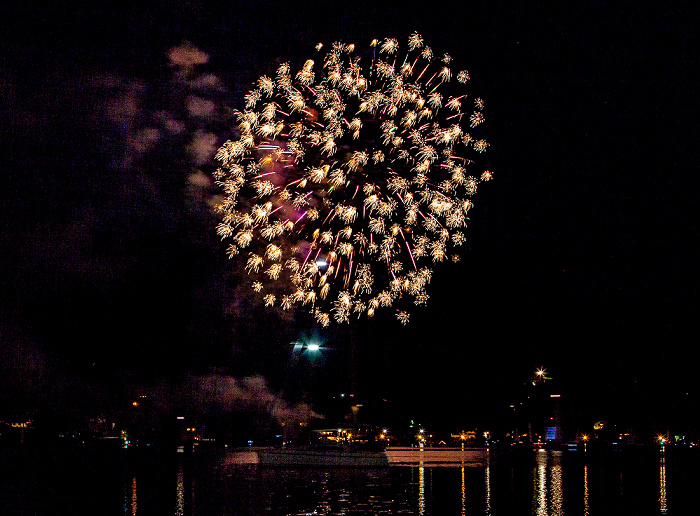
{"type": "Point", "coordinates": [346, 185]}
{"type": "Point", "coordinates": [389, 45]}
{"type": "Point", "coordinates": [476, 119]}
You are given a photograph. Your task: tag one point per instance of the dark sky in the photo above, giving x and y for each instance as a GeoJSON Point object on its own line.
{"type": "Point", "coordinates": [581, 254]}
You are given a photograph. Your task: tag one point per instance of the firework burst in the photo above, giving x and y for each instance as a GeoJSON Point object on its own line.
{"type": "Point", "coordinates": [347, 185]}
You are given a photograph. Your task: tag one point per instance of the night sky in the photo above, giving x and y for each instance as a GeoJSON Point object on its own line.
{"type": "Point", "coordinates": [581, 254]}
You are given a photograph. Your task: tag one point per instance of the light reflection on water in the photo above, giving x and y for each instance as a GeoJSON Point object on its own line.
{"type": "Point", "coordinates": [180, 490]}
{"type": "Point", "coordinates": [134, 505]}
{"type": "Point", "coordinates": [544, 483]}
{"type": "Point", "coordinates": [130, 498]}
{"type": "Point", "coordinates": [540, 484]}
{"type": "Point", "coordinates": [487, 476]}
{"type": "Point", "coordinates": [662, 483]}
{"type": "Point", "coordinates": [586, 510]}
{"type": "Point", "coordinates": [423, 490]}
{"type": "Point", "coordinates": [548, 493]}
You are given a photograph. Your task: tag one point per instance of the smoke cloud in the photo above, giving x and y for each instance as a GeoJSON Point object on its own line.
{"type": "Point", "coordinates": [253, 393]}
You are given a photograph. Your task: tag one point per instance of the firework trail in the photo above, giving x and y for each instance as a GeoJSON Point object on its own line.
{"type": "Point", "coordinates": [347, 185]}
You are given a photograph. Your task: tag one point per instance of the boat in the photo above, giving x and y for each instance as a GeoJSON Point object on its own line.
{"type": "Point", "coordinates": [437, 456]}
{"type": "Point", "coordinates": [320, 456]}
{"type": "Point", "coordinates": [316, 456]}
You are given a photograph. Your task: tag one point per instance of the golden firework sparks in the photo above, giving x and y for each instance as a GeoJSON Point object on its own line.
{"type": "Point", "coordinates": [346, 185]}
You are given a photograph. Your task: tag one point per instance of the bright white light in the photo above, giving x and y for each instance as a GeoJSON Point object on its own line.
{"type": "Point", "coordinates": [313, 347]}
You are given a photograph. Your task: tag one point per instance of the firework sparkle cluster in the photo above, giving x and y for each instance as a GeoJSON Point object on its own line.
{"type": "Point", "coordinates": [346, 185]}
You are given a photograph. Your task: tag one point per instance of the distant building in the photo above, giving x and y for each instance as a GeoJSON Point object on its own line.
{"type": "Point", "coordinates": [543, 410]}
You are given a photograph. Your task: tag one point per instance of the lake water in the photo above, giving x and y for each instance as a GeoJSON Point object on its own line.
{"type": "Point", "coordinates": [86, 481]}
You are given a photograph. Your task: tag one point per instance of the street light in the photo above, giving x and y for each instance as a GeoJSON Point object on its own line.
{"type": "Point", "coordinates": [584, 438]}
{"type": "Point", "coordinates": [540, 376]}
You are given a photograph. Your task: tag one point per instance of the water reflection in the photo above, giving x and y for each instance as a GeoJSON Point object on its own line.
{"type": "Point", "coordinates": [532, 484]}
{"type": "Point", "coordinates": [487, 475]}
{"type": "Point", "coordinates": [521, 482]}
{"type": "Point", "coordinates": [421, 490]}
{"type": "Point", "coordinates": [662, 483]}
{"type": "Point", "coordinates": [133, 496]}
{"type": "Point", "coordinates": [556, 494]}
{"type": "Point", "coordinates": [343, 496]}
{"type": "Point", "coordinates": [464, 494]}
{"type": "Point", "coordinates": [130, 504]}
{"type": "Point", "coordinates": [180, 499]}
{"type": "Point", "coordinates": [541, 484]}
{"type": "Point", "coordinates": [548, 497]}
{"type": "Point", "coordinates": [586, 509]}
